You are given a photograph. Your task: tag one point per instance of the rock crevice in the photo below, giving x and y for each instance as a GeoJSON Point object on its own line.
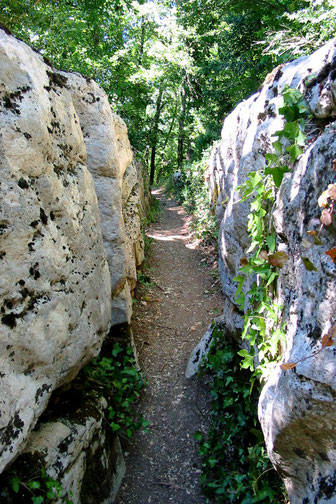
{"type": "Point", "coordinates": [72, 200]}
{"type": "Point", "coordinates": [296, 409]}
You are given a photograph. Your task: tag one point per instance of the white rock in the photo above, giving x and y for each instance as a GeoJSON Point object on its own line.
{"type": "Point", "coordinates": [108, 156]}
{"type": "Point", "coordinates": [296, 409]}
{"type": "Point", "coordinates": [55, 289]}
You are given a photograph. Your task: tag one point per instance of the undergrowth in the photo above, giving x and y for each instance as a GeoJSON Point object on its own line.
{"type": "Point", "coordinates": [39, 489]}
{"type": "Point", "coordinates": [114, 376]}
{"type": "Point", "coordinates": [121, 384]}
{"type": "Point", "coordinates": [235, 465]}
{"type": "Point", "coordinates": [264, 330]}
{"type": "Point", "coordinates": [151, 216]}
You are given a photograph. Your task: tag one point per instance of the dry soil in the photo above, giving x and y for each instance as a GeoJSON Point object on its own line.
{"type": "Point", "coordinates": [170, 317]}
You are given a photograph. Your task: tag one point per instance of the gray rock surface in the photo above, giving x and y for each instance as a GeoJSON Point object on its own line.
{"type": "Point", "coordinates": [55, 289]}
{"type": "Point", "coordinates": [109, 159]}
{"type": "Point", "coordinates": [202, 349]}
{"type": "Point", "coordinates": [77, 448]}
{"type": "Point", "coordinates": [72, 200]}
{"type": "Point", "coordinates": [297, 407]}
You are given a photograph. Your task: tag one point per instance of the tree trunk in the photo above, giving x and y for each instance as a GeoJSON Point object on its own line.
{"type": "Point", "coordinates": [166, 143]}
{"type": "Point", "coordinates": [181, 133]}
{"type": "Point", "coordinates": [154, 134]}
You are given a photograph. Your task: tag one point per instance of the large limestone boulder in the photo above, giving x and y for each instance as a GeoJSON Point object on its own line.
{"type": "Point", "coordinates": [109, 155]}
{"type": "Point", "coordinates": [55, 288]}
{"type": "Point", "coordinates": [297, 408]}
{"type": "Point", "coordinates": [77, 447]}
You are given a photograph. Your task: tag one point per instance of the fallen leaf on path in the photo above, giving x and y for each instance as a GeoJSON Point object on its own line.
{"type": "Point", "coordinates": [150, 299]}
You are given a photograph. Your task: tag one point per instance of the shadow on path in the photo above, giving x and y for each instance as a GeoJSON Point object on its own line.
{"type": "Point", "coordinates": [163, 466]}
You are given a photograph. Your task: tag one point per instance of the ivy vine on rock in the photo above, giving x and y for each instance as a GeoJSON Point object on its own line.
{"type": "Point", "coordinates": [263, 328]}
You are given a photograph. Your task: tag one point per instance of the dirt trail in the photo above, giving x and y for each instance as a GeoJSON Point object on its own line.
{"type": "Point", "coordinates": [169, 319]}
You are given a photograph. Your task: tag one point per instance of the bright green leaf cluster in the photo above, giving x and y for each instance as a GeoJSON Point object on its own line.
{"type": "Point", "coordinates": [235, 466]}
{"type": "Point", "coordinates": [263, 330]}
{"type": "Point", "coordinates": [42, 489]}
{"type": "Point", "coordinates": [122, 382]}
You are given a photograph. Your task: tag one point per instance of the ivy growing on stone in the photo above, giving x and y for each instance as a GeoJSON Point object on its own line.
{"type": "Point", "coordinates": [263, 329]}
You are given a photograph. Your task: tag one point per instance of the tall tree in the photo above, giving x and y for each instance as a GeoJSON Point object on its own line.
{"type": "Point", "coordinates": [210, 54]}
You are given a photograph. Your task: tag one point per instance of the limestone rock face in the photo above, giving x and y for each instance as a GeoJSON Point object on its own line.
{"type": "Point", "coordinates": [109, 155]}
{"type": "Point", "coordinates": [134, 210]}
{"type": "Point", "coordinates": [55, 289]}
{"type": "Point", "coordinates": [78, 448]}
{"type": "Point", "coordinates": [297, 408]}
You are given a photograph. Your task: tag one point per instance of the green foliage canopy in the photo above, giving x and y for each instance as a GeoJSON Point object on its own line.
{"type": "Point", "coordinates": [172, 69]}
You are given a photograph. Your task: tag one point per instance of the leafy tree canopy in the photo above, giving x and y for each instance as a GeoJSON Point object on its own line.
{"type": "Point", "coordinates": [172, 69]}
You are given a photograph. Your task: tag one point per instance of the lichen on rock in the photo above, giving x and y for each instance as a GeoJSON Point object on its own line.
{"type": "Point", "coordinates": [297, 407]}
{"type": "Point", "coordinates": [55, 290]}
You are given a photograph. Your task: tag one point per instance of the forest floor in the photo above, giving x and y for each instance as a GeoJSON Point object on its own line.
{"type": "Point", "coordinates": [170, 317]}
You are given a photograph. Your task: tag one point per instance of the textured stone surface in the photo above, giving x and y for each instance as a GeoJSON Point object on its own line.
{"type": "Point", "coordinates": [133, 212]}
{"type": "Point", "coordinates": [55, 289]}
{"type": "Point", "coordinates": [109, 155]}
{"type": "Point", "coordinates": [297, 407]}
{"type": "Point", "coordinates": [78, 450]}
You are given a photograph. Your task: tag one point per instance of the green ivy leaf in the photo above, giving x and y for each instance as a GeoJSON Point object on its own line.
{"type": "Point", "coordinates": [272, 278]}
{"type": "Point", "coordinates": [272, 158]}
{"type": "Point", "coordinates": [34, 485]}
{"type": "Point", "coordinates": [271, 241]}
{"type": "Point", "coordinates": [247, 362]}
{"type": "Point", "coordinates": [37, 500]}
{"type": "Point", "coordinates": [277, 173]}
{"type": "Point", "coordinates": [115, 427]}
{"type": "Point", "coordinates": [278, 147]}
{"type": "Point", "coordinates": [116, 350]}
{"type": "Point", "coordinates": [301, 138]}
{"type": "Point", "coordinates": [15, 483]}
{"type": "Point", "coordinates": [294, 152]}
{"type": "Point", "coordinates": [291, 130]}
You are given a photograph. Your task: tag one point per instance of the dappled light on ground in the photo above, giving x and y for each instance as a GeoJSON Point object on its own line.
{"type": "Point", "coordinates": [171, 313]}
{"type": "Point", "coordinates": [172, 234]}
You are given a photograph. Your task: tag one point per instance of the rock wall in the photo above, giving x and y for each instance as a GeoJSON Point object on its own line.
{"type": "Point", "coordinates": [72, 200]}
{"type": "Point", "coordinates": [297, 408]}
{"type": "Point", "coordinates": [119, 184]}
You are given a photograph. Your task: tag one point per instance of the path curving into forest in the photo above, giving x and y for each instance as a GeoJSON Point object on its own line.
{"type": "Point", "coordinates": [170, 318]}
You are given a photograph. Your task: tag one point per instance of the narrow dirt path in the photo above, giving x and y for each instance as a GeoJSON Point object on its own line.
{"type": "Point", "coordinates": [169, 319]}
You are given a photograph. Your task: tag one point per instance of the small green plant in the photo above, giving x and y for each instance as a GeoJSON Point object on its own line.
{"type": "Point", "coordinates": [145, 280]}
{"type": "Point", "coordinates": [152, 213]}
{"type": "Point", "coordinates": [263, 329]}
{"type": "Point", "coordinates": [42, 489]}
{"type": "Point", "coordinates": [235, 466]}
{"type": "Point", "coordinates": [122, 381]}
